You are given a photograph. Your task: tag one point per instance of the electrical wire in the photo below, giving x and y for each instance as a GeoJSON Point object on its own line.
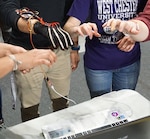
{"type": "Point", "coordinates": [53, 88]}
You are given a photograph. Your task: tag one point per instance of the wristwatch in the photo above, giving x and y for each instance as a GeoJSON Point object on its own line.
{"type": "Point", "coordinates": [75, 47]}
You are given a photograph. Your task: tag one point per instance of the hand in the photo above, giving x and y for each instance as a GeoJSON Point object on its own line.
{"type": "Point", "coordinates": [75, 58]}
{"type": "Point", "coordinates": [127, 27]}
{"type": "Point", "coordinates": [56, 35]}
{"type": "Point", "coordinates": [34, 58]}
{"type": "Point", "coordinates": [126, 44]}
{"type": "Point", "coordinates": [89, 29]}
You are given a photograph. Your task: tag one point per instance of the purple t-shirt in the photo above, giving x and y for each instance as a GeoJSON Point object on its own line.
{"type": "Point", "coordinates": [102, 53]}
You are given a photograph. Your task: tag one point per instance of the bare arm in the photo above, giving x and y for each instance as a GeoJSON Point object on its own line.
{"type": "Point", "coordinates": [75, 28]}
{"type": "Point", "coordinates": [136, 29]}
{"type": "Point", "coordinates": [6, 49]}
{"type": "Point", "coordinates": [27, 59]}
{"type": "Point", "coordinates": [71, 27]}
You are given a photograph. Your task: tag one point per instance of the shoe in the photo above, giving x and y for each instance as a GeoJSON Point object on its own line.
{"type": "Point", "coordinates": [2, 125]}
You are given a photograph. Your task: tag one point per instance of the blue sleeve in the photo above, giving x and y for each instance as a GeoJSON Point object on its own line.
{"type": "Point", "coordinates": [80, 9]}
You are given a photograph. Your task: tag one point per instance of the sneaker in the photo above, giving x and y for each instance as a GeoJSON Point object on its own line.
{"type": "Point", "coordinates": [2, 125]}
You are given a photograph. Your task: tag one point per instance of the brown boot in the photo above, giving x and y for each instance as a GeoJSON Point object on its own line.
{"type": "Point", "coordinates": [29, 113]}
{"type": "Point", "coordinates": [59, 104]}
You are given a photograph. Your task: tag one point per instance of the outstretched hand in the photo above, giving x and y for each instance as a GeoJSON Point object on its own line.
{"type": "Point", "coordinates": [35, 57]}
{"type": "Point", "coordinates": [126, 44]}
{"type": "Point", "coordinates": [127, 27]}
{"type": "Point", "coordinates": [88, 29]}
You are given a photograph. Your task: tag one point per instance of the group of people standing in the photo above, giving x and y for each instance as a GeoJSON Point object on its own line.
{"type": "Point", "coordinates": [111, 59]}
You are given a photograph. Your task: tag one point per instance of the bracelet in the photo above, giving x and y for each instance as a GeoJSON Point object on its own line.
{"type": "Point", "coordinates": [16, 62]}
{"type": "Point", "coordinates": [75, 47]}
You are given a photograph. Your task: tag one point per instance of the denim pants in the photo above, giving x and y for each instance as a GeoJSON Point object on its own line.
{"type": "Point", "coordinates": [104, 81]}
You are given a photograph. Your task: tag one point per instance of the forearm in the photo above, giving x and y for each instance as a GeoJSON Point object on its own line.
{"type": "Point", "coordinates": [71, 27]}
{"type": "Point", "coordinates": [26, 25]}
{"type": "Point", "coordinates": [74, 35]}
{"type": "Point", "coordinates": [7, 66]}
{"type": "Point", "coordinates": [6, 49]}
{"type": "Point", "coordinates": [3, 49]}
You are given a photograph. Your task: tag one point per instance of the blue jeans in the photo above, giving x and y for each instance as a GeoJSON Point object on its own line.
{"type": "Point", "coordinates": [104, 81]}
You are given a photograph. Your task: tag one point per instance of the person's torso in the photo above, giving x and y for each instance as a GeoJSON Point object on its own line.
{"type": "Point", "coordinates": [103, 53]}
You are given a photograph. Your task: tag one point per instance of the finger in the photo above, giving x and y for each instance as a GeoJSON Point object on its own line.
{"type": "Point", "coordinates": [95, 29]}
{"type": "Point", "coordinates": [127, 48]}
{"type": "Point", "coordinates": [134, 27]}
{"type": "Point", "coordinates": [121, 43]}
{"type": "Point", "coordinates": [25, 71]}
{"type": "Point", "coordinates": [130, 48]}
{"type": "Point", "coordinates": [127, 45]}
{"type": "Point", "coordinates": [47, 55]}
{"type": "Point", "coordinates": [123, 26]}
{"type": "Point", "coordinates": [128, 27]}
{"type": "Point", "coordinates": [96, 34]}
{"type": "Point", "coordinates": [53, 56]}
{"type": "Point", "coordinates": [114, 24]}
{"type": "Point", "coordinates": [108, 23]}
{"type": "Point", "coordinates": [80, 32]}
{"type": "Point", "coordinates": [134, 30]}
{"type": "Point", "coordinates": [111, 26]}
{"type": "Point", "coordinates": [88, 30]}
{"type": "Point", "coordinates": [73, 67]}
{"type": "Point", "coordinates": [45, 62]}
{"type": "Point", "coordinates": [91, 30]}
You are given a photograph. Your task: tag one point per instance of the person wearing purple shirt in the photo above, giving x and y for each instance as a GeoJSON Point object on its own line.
{"type": "Point", "coordinates": [108, 66]}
